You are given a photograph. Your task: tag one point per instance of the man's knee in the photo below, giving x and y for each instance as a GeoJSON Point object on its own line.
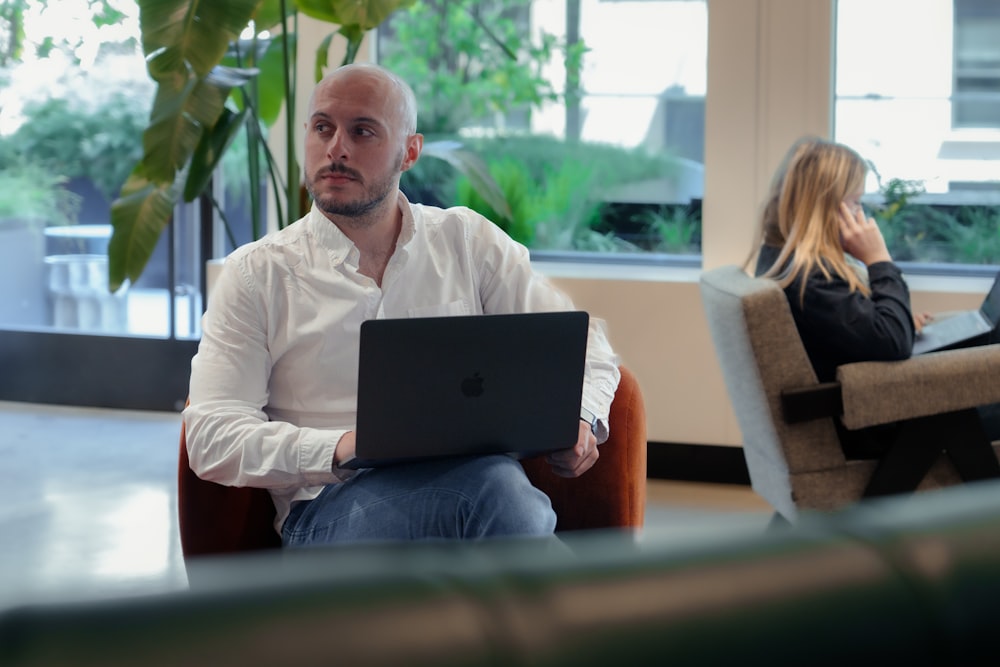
{"type": "Point", "coordinates": [508, 504]}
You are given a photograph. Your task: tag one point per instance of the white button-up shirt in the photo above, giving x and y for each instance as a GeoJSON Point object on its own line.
{"type": "Point", "coordinates": [274, 382]}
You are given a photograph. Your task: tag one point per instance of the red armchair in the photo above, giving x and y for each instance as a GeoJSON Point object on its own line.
{"type": "Point", "coordinates": [216, 519]}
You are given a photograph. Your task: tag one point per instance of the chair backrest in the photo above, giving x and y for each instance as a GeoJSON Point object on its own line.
{"type": "Point", "coordinates": [216, 519]}
{"type": "Point", "coordinates": [761, 354]}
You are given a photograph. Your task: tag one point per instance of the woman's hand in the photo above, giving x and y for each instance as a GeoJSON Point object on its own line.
{"type": "Point", "coordinates": [861, 237]}
{"type": "Point", "coordinates": [920, 319]}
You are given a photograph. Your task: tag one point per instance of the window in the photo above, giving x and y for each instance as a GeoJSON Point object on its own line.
{"type": "Point", "coordinates": [977, 64]}
{"type": "Point", "coordinates": [74, 100]}
{"type": "Point", "coordinates": [918, 94]}
{"type": "Point", "coordinates": [72, 111]}
{"type": "Point", "coordinates": [591, 122]}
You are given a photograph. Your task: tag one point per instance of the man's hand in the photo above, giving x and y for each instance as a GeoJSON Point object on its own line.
{"type": "Point", "coordinates": [345, 449]}
{"type": "Point", "coordinates": [579, 458]}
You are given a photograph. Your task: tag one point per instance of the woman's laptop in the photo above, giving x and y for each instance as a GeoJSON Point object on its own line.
{"type": "Point", "coordinates": [469, 385]}
{"type": "Point", "coordinates": [963, 329]}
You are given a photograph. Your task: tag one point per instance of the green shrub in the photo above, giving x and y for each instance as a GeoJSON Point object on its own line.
{"type": "Point", "coordinates": [975, 236]}
{"type": "Point", "coordinates": [557, 191]}
{"type": "Point", "coordinates": [100, 143]}
{"type": "Point", "coordinates": [33, 193]}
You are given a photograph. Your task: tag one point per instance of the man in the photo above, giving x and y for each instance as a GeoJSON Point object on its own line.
{"type": "Point", "coordinates": [274, 383]}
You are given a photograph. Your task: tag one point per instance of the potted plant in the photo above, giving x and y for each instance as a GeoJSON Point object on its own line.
{"type": "Point", "coordinates": [211, 85]}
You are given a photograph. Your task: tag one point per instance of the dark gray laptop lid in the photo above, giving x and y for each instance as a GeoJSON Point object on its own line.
{"type": "Point", "coordinates": [468, 385]}
{"type": "Point", "coordinates": [991, 304]}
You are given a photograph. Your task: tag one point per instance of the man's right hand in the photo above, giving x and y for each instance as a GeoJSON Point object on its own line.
{"type": "Point", "coordinates": [345, 449]}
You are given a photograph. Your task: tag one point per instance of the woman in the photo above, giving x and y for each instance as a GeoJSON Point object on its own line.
{"type": "Point", "coordinates": [848, 298]}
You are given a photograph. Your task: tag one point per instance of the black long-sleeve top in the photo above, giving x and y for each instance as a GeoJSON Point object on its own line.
{"type": "Point", "coordinates": [838, 326]}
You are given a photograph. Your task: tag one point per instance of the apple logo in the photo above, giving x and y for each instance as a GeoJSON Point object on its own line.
{"type": "Point", "coordinates": [473, 386]}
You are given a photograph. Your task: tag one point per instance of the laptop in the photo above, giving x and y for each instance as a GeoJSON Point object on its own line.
{"type": "Point", "coordinates": [438, 387]}
{"type": "Point", "coordinates": [963, 329]}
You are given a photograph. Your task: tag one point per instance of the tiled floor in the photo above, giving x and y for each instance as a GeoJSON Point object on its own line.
{"type": "Point", "coordinates": [88, 504]}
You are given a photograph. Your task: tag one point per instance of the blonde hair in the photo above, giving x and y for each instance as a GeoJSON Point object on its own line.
{"type": "Point", "coordinates": [805, 215]}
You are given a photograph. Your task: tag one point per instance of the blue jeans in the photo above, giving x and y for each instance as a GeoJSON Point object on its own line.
{"type": "Point", "coordinates": [465, 498]}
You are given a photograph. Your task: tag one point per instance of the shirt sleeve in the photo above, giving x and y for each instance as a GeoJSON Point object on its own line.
{"type": "Point", "coordinates": [230, 439]}
{"type": "Point", "coordinates": [509, 284]}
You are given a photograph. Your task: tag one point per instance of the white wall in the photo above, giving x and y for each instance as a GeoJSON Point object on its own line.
{"type": "Point", "coordinates": [656, 325]}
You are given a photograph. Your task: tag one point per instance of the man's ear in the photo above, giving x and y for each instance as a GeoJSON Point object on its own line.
{"type": "Point", "coordinates": [414, 145]}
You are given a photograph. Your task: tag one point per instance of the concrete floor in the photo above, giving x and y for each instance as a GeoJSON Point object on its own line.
{"type": "Point", "coordinates": [88, 504]}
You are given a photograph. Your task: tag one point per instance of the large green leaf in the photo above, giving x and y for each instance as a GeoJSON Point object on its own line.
{"type": "Point", "coordinates": [354, 35]}
{"type": "Point", "coordinates": [171, 136]}
{"type": "Point", "coordinates": [323, 56]}
{"type": "Point", "coordinates": [138, 217]}
{"type": "Point", "coordinates": [272, 79]}
{"type": "Point", "coordinates": [209, 152]}
{"type": "Point", "coordinates": [200, 30]}
{"type": "Point", "coordinates": [472, 167]}
{"type": "Point", "coordinates": [354, 17]}
{"type": "Point", "coordinates": [365, 15]}
{"type": "Point", "coordinates": [269, 13]}
{"type": "Point", "coordinates": [184, 41]}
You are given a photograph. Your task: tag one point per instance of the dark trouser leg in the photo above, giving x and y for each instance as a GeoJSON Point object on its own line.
{"type": "Point", "coordinates": [990, 417]}
{"type": "Point", "coordinates": [917, 444]}
{"type": "Point", "coordinates": [903, 466]}
{"type": "Point", "coordinates": [969, 448]}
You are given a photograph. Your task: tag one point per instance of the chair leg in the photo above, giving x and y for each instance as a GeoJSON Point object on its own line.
{"type": "Point", "coordinates": [777, 522]}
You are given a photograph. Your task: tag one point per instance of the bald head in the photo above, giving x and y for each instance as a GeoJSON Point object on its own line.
{"type": "Point", "coordinates": [383, 83]}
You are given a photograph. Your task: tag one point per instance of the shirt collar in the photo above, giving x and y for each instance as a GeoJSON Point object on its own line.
{"type": "Point", "coordinates": [329, 236]}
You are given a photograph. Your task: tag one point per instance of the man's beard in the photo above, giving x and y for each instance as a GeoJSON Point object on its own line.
{"type": "Point", "coordinates": [358, 208]}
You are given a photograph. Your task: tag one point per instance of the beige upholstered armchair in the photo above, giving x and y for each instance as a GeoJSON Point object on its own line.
{"type": "Point", "coordinates": [786, 416]}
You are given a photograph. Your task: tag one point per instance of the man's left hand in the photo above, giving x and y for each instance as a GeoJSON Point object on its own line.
{"type": "Point", "coordinates": [579, 458]}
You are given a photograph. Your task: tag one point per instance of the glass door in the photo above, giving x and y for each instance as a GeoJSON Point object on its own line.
{"type": "Point", "coordinates": [65, 338]}
{"type": "Point", "coordinates": [74, 99]}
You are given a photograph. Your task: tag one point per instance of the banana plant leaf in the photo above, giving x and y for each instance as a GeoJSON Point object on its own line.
{"type": "Point", "coordinates": [189, 130]}
{"type": "Point", "coordinates": [184, 42]}
{"type": "Point", "coordinates": [354, 18]}
{"type": "Point", "coordinates": [472, 167]}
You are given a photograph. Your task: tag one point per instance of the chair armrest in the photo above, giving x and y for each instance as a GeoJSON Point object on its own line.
{"type": "Point", "coordinates": [880, 392]}
{"type": "Point", "coordinates": [816, 401]}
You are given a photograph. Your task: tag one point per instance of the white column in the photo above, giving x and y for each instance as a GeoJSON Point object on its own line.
{"type": "Point", "coordinates": [770, 81]}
